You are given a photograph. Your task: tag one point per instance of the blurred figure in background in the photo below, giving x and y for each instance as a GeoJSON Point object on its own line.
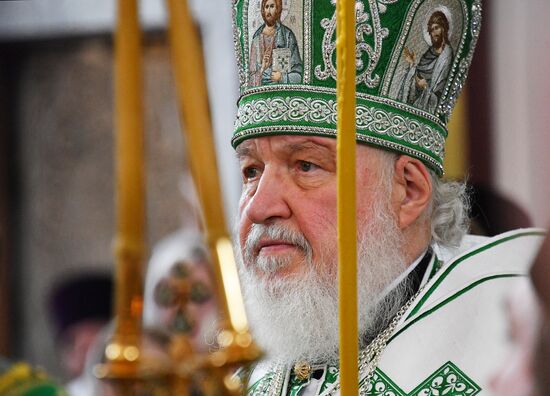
{"type": "Point", "coordinates": [491, 213]}
{"type": "Point", "coordinates": [79, 307]}
{"type": "Point", "coordinates": [526, 372]}
{"type": "Point", "coordinates": [516, 376]}
{"type": "Point", "coordinates": [180, 291]}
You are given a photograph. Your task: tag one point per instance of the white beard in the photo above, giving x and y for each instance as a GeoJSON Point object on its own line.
{"type": "Point", "coordinates": [296, 318]}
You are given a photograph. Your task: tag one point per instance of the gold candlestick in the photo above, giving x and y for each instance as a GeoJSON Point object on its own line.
{"type": "Point", "coordinates": [192, 93]}
{"type": "Point", "coordinates": [235, 340]}
{"type": "Point", "coordinates": [123, 351]}
{"type": "Point", "coordinates": [124, 361]}
{"type": "Point", "coordinates": [347, 234]}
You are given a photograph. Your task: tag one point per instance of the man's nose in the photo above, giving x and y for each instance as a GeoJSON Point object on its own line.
{"type": "Point", "coordinates": [270, 200]}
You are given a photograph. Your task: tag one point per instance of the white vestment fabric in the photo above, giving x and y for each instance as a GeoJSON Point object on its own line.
{"type": "Point", "coordinates": [455, 335]}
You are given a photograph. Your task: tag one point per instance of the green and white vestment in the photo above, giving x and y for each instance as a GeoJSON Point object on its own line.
{"type": "Point", "coordinates": [452, 339]}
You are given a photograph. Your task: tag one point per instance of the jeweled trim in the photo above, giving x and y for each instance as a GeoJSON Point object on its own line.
{"type": "Point", "coordinates": [321, 111]}
{"type": "Point", "coordinates": [332, 91]}
{"type": "Point", "coordinates": [307, 41]}
{"type": "Point", "coordinates": [458, 73]}
{"type": "Point", "coordinates": [438, 166]}
{"type": "Point", "coordinates": [447, 105]}
{"type": "Point", "coordinates": [434, 163]}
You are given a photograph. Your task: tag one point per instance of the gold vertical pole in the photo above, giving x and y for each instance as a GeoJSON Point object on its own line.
{"type": "Point", "coordinates": [123, 351]}
{"type": "Point", "coordinates": [347, 235]}
{"type": "Point", "coordinates": [191, 89]}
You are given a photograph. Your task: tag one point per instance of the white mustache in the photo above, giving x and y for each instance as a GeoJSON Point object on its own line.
{"type": "Point", "coordinates": [277, 232]}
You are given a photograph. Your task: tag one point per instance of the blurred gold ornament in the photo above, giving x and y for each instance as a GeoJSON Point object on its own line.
{"type": "Point", "coordinates": [130, 367]}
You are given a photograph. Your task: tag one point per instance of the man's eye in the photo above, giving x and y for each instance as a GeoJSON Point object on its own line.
{"type": "Point", "coordinates": [306, 166]}
{"type": "Point", "coordinates": [250, 172]}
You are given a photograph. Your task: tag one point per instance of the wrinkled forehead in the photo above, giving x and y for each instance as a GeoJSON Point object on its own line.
{"type": "Point", "coordinates": [286, 144]}
{"type": "Point", "coordinates": [307, 147]}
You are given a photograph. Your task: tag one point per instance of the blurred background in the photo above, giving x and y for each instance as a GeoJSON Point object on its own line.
{"type": "Point", "coordinates": [56, 142]}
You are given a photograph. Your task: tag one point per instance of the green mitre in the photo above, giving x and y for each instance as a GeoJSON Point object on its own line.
{"type": "Point", "coordinates": [412, 57]}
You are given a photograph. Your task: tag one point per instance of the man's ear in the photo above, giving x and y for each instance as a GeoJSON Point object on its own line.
{"type": "Point", "coordinates": [412, 189]}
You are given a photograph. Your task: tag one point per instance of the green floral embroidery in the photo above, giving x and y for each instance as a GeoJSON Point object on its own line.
{"type": "Point", "coordinates": [330, 377]}
{"type": "Point", "coordinates": [380, 385]}
{"type": "Point", "coordinates": [448, 380]}
{"type": "Point", "coordinates": [295, 385]}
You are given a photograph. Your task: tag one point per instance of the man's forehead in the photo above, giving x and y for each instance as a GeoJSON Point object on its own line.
{"type": "Point", "coordinates": [287, 143]}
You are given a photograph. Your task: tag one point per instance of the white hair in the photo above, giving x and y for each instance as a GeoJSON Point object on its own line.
{"type": "Point", "coordinates": [449, 205]}
{"type": "Point", "coordinates": [448, 210]}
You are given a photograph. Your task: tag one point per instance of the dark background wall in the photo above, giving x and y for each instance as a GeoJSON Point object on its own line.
{"type": "Point", "coordinates": [58, 176]}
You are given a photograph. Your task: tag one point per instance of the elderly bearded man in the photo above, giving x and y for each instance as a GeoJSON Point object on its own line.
{"type": "Point", "coordinates": [430, 315]}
